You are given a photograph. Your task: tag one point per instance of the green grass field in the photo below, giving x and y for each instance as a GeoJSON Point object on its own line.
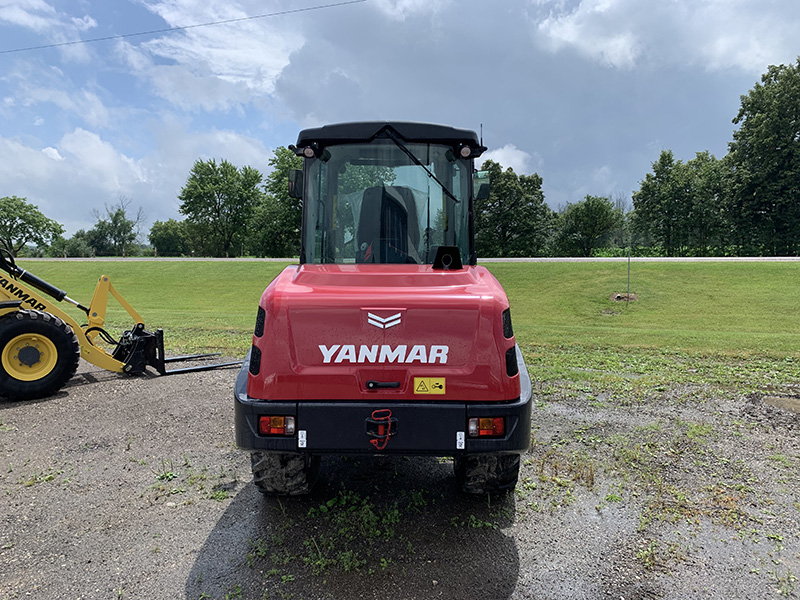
{"type": "Point", "coordinates": [738, 309]}
{"type": "Point", "coordinates": [723, 308]}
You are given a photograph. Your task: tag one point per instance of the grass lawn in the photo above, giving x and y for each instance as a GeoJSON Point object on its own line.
{"type": "Point", "coordinates": [691, 314]}
{"type": "Point", "coordinates": [201, 305]}
{"type": "Point", "coordinates": [724, 308]}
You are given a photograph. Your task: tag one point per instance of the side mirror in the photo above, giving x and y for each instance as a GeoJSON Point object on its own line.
{"type": "Point", "coordinates": [296, 183]}
{"type": "Point", "coordinates": [480, 185]}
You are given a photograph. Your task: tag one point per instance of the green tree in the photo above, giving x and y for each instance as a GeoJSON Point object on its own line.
{"type": "Point", "coordinates": [21, 223]}
{"type": "Point", "coordinates": [514, 220]}
{"type": "Point", "coordinates": [116, 233]}
{"type": "Point", "coordinates": [278, 217]}
{"type": "Point", "coordinates": [680, 207]}
{"type": "Point", "coordinates": [764, 164]}
{"type": "Point", "coordinates": [586, 225]}
{"type": "Point", "coordinates": [219, 201]}
{"type": "Point", "coordinates": [660, 204]}
{"type": "Point", "coordinates": [707, 219]}
{"type": "Point", "coordinates": [76, 246]}
{"type": "Point", "coordinates": [168, 238]}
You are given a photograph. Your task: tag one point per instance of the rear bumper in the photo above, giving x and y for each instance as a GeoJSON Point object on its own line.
{"type": "Point", "coordinates": [418, 428]}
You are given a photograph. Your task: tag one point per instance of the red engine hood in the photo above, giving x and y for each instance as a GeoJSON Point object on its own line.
{"type": "Point", "coordinates": [330, 330]}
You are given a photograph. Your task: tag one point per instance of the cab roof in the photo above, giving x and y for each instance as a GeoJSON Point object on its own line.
{"type": "Point", "coordinates": [366, 131]}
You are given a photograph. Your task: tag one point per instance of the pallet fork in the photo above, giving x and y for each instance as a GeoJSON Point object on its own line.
{"type": "Point", "coordinates": [40, 344]}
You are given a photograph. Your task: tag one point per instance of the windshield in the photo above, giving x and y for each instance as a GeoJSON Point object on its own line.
{"type": "Point", "coordinates": [372, 203]}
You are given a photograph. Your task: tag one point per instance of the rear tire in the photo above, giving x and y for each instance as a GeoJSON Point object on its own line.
{"type": "Point", "coordinates": [39, 353]}
{"type": "Point", "coordinates": [284, 474]}
{"type": "Point", "coordinates": [486, 473]}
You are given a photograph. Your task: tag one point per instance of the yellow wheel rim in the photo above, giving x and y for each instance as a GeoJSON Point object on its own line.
{"type": "Point", "coordinates": [29, 357]}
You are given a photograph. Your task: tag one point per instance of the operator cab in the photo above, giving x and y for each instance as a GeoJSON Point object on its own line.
{"type": "Point", "coordinates": [386, 193]}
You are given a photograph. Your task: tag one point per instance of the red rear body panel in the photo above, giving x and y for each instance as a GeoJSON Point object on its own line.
{"type": "Point", "coordinates": [331, 329]}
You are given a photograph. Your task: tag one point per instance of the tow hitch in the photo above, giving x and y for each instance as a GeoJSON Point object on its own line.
{"type": "Point", "coordinates": [380, 427]}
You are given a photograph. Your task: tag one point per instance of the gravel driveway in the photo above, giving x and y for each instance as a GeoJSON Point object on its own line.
{"type": "Point", "coordinates": [132, 488]}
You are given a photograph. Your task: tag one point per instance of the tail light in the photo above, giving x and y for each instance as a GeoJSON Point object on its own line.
{"type": "Point", "coordinates": [487, 427]}
{"type": "Point", "coordinates": [276, 425]}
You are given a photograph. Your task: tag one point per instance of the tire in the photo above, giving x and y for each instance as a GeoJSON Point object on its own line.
{"type": "Point", "coordinates": [278, 474]}
{"type": "Point", "coordinates": [39, 353]}
{"type": "Point", "coordinates": [486, 473]}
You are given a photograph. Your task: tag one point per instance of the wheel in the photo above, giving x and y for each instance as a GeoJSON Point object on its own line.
{"type": "Point", "coordinates": [486, 473]}
{"type": "Point", "coordinates": [39, 353]}
{"type": "Point", "coordinates": [284, 474]}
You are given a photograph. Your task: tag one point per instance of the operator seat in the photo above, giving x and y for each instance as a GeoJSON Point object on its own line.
{"type": "Point", "coordinates": [388, 228]}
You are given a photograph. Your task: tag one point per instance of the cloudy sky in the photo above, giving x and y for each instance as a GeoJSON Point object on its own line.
{"type": "Point", "coordinates": [584, 92]}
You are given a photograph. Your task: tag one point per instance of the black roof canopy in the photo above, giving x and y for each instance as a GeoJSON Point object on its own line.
{"type": "Point", "coordinates": [366, 131]}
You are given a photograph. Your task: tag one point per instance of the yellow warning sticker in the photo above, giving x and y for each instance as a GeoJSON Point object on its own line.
{"type": "Point", "coordinates": [429, 385]}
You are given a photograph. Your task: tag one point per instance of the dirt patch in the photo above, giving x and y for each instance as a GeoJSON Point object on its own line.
{"type": "Point", "coordinates": [624, 297]}
{"type": "Point", "coordinates": [132, 488]}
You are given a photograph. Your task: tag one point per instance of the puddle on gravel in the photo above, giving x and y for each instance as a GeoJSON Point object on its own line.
{"type": "Point", "coordinates": [783, 402]}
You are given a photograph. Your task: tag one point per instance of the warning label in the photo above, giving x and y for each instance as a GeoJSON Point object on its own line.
{"type": "Point", "coordinates": [429, 385]}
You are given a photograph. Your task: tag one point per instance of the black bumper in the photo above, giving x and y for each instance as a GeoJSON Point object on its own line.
{"type": "Point", "coordinates": [414, 428]}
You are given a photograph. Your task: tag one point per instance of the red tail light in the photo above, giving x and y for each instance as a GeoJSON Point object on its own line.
{"type": "Point", "coordinates": [487, 427]}
{"type": "Point", "coordinates": [276, 425]}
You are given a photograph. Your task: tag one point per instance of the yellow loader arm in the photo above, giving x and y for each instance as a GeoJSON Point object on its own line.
{"type": "Point", "coordinates": [15, 291]}
{"type": "Point", "coordinates": [40, 344]}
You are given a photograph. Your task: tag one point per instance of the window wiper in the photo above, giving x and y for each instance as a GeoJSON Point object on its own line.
{"type": "Point", "coordinates": [399, 143]}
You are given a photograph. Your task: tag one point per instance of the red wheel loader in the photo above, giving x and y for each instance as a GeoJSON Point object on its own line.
{"type": "Point", "coordinates": [387, 337]}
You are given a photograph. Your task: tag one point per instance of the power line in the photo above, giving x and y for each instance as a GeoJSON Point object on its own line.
{"type": "Point", "coordinates": [184, 27]}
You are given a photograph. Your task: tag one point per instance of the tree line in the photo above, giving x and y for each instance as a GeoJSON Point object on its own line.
{"type": "Point", "coordinates": [746, 203]}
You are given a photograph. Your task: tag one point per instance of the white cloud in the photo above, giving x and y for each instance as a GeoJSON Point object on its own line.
{"type": "Point", "coordinates": [595, 30]}
{"type": "Point", "coordinates": [603, 180]}
{"type": "Point", "coordinates": [509, 155]}
{"type": "Point", "coordinates": [52, 153]}
{"type": "Point", "coordinates": [31, 14]}
{"type": "Point", "coordinates": [44, 19]}
{"type": "Point", "coordinates": [96, 159]}
{"type": "Point", "coordinates": [217, 67]}
{"type": "Point", "coordinates": [401, 9]}
{"type": "Point", "coordinates": [84, 172]}
{"type": "Point", "coordinates": [84, 24]}
{"type": "Point", "coordinates": [711, 34]}
{"type": "Point", "coordinates": [33, 85]}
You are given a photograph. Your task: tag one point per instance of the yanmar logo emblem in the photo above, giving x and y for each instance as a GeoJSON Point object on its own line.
{"type": "Point", "coordinates": [383, 322]}
{"type": "Point", "coordinates": [402, 354]}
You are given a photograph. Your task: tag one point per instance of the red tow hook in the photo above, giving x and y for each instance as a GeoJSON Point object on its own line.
{"type": "Point", "coordinates": [381, 422]}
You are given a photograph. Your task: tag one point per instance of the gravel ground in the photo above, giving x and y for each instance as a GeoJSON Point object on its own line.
{"type": "Point", "coordinates": [132, 488]}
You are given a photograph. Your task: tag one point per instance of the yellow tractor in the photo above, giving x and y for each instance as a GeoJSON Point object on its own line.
{"type": "Point", "coordinates": [40, 344]}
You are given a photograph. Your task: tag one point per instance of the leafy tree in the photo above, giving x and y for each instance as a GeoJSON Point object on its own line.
{"type": "Point", "coordinates": [706, 220]}
{"type": "Point", "coordinates": [585, 225]}
{"type": "Point", "coordinates": [764, 163]}
{"type": "Point", "coordinates": [21, 223]}
{"type": "Point", "coordinates": [168, 238]}
{"type": "Point", "coordinates": [219, 201]}
{"type": "Point", "coordinates": [679, 207]}
{"type": "Point", "coordinates": [278, 217]}
{"type": "Point", "coordinates": [76, 246]}
{"type": "Point", "coordinates": [116, 234]}
{"type": "Point", "coordinates": [514, 220]}
{"type": "Point", "coordinates": [660, 203]}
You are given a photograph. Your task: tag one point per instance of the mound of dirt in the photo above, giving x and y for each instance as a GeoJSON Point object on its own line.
{"type": "Point", "coordinates": [624, 297]}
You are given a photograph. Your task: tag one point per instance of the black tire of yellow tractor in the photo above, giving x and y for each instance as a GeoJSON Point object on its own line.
{"type": "Point", "coordinates": [486, 473]}
{"type": "Point", "coordinates": [284, 474]}
{"type": "Point", "coordinates": [64, 343]}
